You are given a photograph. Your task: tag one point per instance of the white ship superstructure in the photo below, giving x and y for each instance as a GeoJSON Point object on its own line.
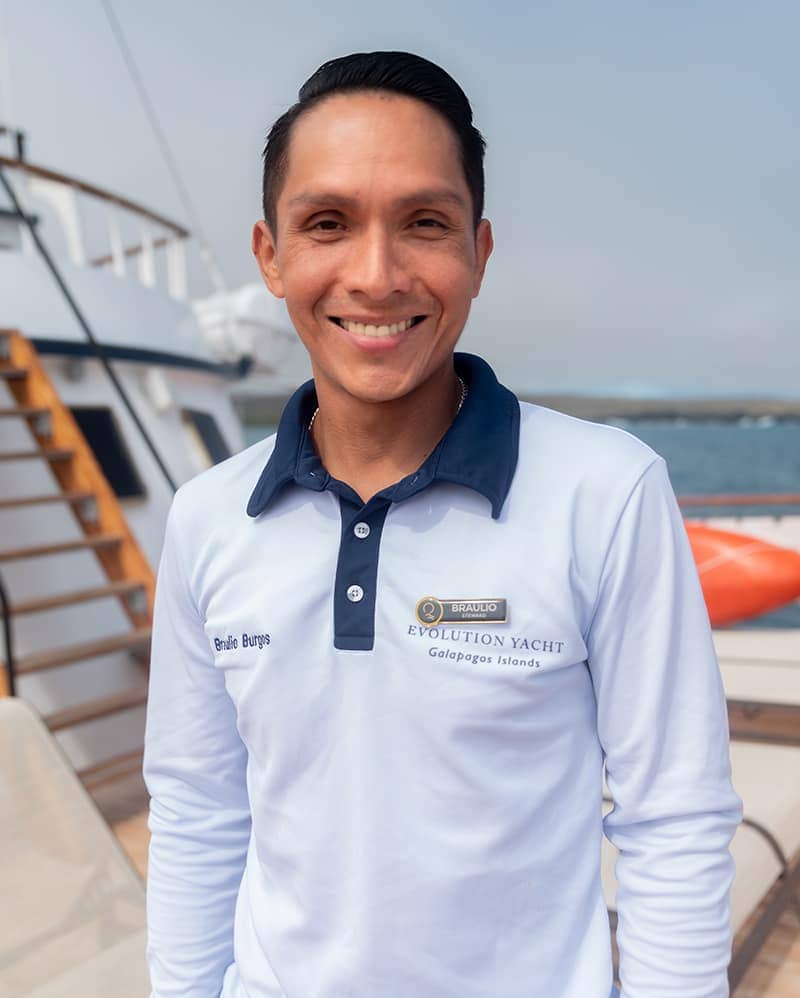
{"type": "Point", "coordinates": [148, 395]}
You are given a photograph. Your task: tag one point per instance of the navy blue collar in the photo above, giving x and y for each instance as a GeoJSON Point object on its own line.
{"type": "Point", "coordinates": [478, 451]}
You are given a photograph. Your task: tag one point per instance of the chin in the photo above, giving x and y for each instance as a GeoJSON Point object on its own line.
{"type": "Point", "coordinates": [375, 391]}
{"type": "Point", "coordinates": [377, 385]}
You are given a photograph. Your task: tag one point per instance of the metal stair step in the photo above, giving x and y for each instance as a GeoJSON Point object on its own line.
{"type": "Point", "coordinates": [118, 766]}
{"type": "Point", "coordinates": [40, 419]}
{"type": "Point", "coordinates": [23, 412]}
{"type": "Point", "coordinates": [93, 541]}
{"type": "Point", "coordinates": [45, 454]}
{"type": "Point", "coordinates": [123, 588]}
{"type": "Point", "coordinates": [70, 497]}
{"type": "Point", "coordinates": [100, 707]}
{"type": "Point", "coordinates": [53, 657]}
{"type": "Point", "coordinates": [13, 373]}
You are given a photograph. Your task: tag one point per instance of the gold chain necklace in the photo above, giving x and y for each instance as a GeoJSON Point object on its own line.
{"type": "Point", "coordinates": [462, 396]}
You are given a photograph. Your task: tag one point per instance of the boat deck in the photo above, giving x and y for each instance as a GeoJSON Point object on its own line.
{"type": "Point", "coordinates": [774, 974]}
{"type": "Point", "coordinates": [776, 971]}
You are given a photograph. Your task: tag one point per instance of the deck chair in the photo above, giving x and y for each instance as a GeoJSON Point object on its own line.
{"type": "Point", "coordinates": [761, 675]}
{"type": "Point", "coordinates": [766, 847]}
{"type": "Point", "coordinates": [73, 906]}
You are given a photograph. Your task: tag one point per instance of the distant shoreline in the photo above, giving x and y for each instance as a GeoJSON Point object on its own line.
{"type": "Point", "coordinates": [265, 410]}
{"type": "Point", "coordinates": [726, 409]}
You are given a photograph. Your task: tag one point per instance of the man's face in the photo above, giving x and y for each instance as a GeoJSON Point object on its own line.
{"type": "Point", "coordinates": [375, 251]}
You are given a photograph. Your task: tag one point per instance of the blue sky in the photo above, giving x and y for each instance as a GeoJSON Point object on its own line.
{"type": "Point", "coordinates": [642, 166]}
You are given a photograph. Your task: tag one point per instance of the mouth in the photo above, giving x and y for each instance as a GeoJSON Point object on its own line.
{"type": "Point", "coordinates": [374, 331]}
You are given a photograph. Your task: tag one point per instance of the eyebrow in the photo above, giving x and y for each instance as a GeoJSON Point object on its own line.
{"type": "Point", "coordinates": [428, 195]}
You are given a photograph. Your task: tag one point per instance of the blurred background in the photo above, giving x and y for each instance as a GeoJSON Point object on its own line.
{"type": "Point", "coordinates": [641, 178]}
{"type": "Point", "coordinates": [642, 161]}
{"type": "Point", "coordinates": [642, 172]}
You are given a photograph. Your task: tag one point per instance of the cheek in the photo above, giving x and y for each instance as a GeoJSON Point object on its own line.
{"type": "Point", "coordinates": [450, 269]}
{"type": "Point", "coordinates": [305, 280]}
{"type": "Point", "coordinates": [454, 284]}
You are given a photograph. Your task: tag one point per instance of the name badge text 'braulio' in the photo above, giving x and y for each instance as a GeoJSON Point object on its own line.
{"type": "Point", "coordinates": [431, 611]}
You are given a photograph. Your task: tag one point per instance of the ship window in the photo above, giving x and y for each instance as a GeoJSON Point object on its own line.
{"type": "Point", "coordinates": [10, 237]}
{"type": "Point", "coordinates": [203, 427]}
{"type": "Point", "coordinates": [103, 436]}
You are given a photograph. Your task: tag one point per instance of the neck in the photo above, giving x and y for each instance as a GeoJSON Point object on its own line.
{"type": "Point", "coordinates": [372, 445]}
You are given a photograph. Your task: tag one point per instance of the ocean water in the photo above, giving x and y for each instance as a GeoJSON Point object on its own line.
{"type": "Point", "coordinates": [715, 457]}
{"type": "Point", "coordinates": [749, 456]}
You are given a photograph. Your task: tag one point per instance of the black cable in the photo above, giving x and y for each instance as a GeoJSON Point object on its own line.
{"type": "Point", "coordinates": [8, 639]}
{"type": "Point", "coordinates": [99, 350]}
{"type": "Point", "coordinates": [133, 71]}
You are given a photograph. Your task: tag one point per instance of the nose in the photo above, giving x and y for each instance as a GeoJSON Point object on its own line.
{"type": "Point", "coordinates": [377, 267]}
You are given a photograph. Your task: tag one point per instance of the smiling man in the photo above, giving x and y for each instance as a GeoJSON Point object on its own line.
{"type": "Point", "coordinates": [378, 246]}
{"type": "Point", "coordinates": [396, 643]}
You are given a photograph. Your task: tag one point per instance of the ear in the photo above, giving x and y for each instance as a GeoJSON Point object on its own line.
{"type": "Point", "coordinates": [266, 254]}
{"type": "Point", "coordinates": [484, 244]}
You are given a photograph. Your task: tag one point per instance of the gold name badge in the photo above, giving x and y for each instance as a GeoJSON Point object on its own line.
{"type": "Point", "coordinates": [431, 611]}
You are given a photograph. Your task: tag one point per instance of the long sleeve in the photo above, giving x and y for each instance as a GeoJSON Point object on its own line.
{"type": "Point", "coordinates": [195, 769]}
{"type": "Point", "coordinates": [663, 726]}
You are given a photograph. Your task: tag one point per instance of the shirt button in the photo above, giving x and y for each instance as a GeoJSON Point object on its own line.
{"type": "Point", "coordinates": [361, 530]}
{"type": "Point", "coordinates": [355, 594]}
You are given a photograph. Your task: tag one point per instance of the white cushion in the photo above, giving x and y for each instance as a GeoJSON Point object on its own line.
{"type": "Point", "coordinates": [74, 906]}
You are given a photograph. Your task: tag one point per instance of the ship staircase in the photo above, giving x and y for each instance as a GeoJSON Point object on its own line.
{"type": "Point", "coordinates": [69, 527]}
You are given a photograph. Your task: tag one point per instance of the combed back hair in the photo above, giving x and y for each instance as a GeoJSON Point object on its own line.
{"type": "Point", "coordinates": [396, 72]}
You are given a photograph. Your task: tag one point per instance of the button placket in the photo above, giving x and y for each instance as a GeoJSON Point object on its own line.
{"type": "Point", "coordinates": [357, 573]}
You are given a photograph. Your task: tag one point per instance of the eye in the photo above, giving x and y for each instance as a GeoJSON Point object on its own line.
{"type": "Point", "coordinates": [429, 223]}
{"type": "Point", "coordinates": [326, 225]}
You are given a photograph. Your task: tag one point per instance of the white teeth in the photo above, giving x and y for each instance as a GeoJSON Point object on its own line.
{"type": "Point", "coordinates": [362, 329]}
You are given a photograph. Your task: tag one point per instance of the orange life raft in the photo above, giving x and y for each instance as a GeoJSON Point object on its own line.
{"type": "Point", "coordinates": [742, 576]}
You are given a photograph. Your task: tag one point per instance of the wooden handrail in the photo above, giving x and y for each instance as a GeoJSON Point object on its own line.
{"type": "Point", "coordinates": [737, 499]}
{"type": "Point", "coordinates": [81, 185]}
{"type": "Point", "coordinates": [102, 261]}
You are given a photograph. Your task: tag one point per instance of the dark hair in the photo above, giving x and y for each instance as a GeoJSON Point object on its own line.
{"type": "Point", "coordinates": [397, 72]}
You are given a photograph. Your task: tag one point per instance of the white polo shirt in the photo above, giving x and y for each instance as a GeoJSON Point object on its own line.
{"type": "Point", "coordinates": [376, 732]}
